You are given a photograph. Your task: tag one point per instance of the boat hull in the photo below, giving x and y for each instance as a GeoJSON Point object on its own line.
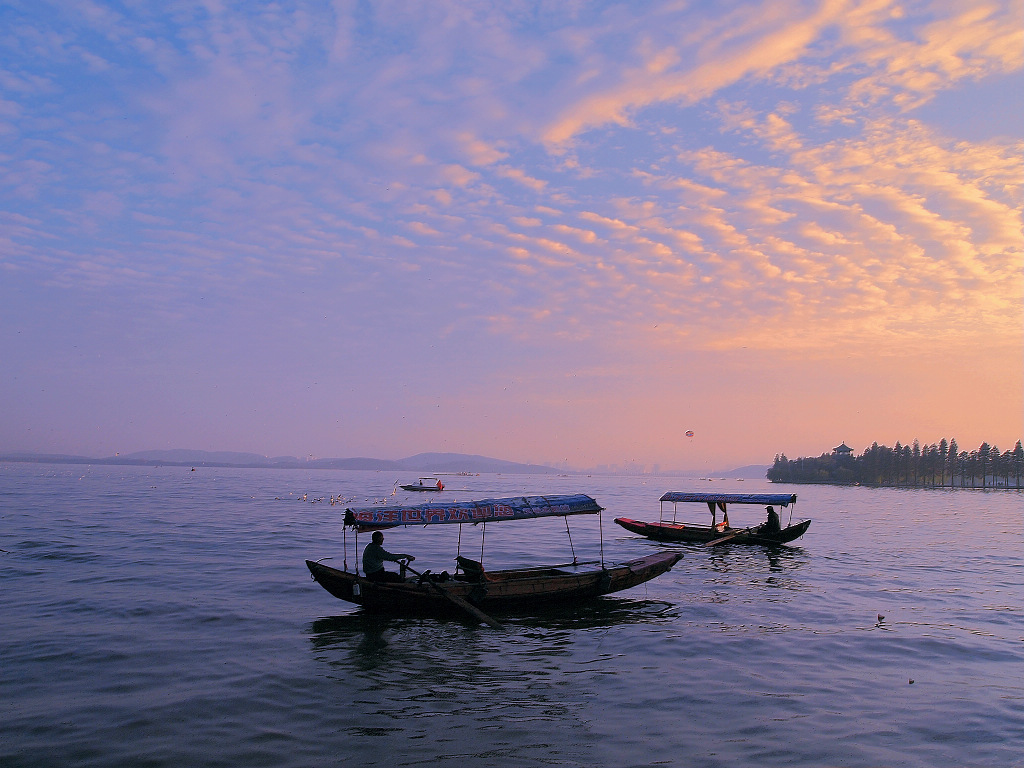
{"type": "Point", "coordinates": [500, 590]}
{"type": "Point", "coordinates": [421, 488]}
{"type": "Point", "coordinates": [703, 533]}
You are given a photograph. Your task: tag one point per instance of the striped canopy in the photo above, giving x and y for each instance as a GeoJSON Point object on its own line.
{"type": "Point", "coordinates": [782, 499]}
{"type": "Point", "coordinates": [485, 510]}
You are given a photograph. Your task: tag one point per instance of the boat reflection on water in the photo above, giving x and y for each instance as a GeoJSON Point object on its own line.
{"type": "Point", "coordinates": [439, 689]}
{"type": "Point", "coordinates": [596, 614]}
{"type": "Point", "coordinates": [761, 577]}
{"type": "Point", "coordinates": [786, 558]}
{"type": "Point", "coordinates": [367, 634]}
{"type": "Point", "coordinates": [397, 677]}
{"type": "Point", "coordinates": [778, 558]}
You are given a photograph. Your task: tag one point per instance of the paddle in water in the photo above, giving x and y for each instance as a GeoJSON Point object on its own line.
{"type": "Point", "coordinates": [726, 538]}
{"type": "Point", "coordinates": [456, 600]}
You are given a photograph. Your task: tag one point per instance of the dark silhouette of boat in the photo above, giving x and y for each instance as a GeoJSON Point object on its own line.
{"type": "Point", "coordinates": [472, 589]}
{"type": "Point", "coordinates": [670, 528]}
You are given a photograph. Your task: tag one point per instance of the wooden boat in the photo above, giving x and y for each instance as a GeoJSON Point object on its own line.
{"type": "Point", "coordinates": [669, 528]}
{"type": "Point", "coordinates": [514, 588]}
{"type": "Point", "coordinates": [424, 484]}
{"type": "Point", "coordinates": [473, 589]}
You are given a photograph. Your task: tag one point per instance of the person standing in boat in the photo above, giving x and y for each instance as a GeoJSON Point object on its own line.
{"type": "Point", "coordinates": [374, 557]}
{"type": "Point", "coordinates": [774, 524]}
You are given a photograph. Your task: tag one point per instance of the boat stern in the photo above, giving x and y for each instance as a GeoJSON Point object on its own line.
{"type": "Point", "coordinates": [340, 584]}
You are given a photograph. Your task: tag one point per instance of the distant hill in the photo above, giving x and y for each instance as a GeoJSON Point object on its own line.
{"type": "Point", "coordinates": [458, 462]}
{"type": "Point", "coordinates": [356, 463]}
{"type": "Point", "coordinates": [422, 462]}
{"type": "Point", "coordinates": [436, 463]}
{"type": "Point", "coordinates": [47, 458]}
{"type": "Point", "coordinates": [185, 456]}
{"type": "Point", "coordinates": [749, 472]}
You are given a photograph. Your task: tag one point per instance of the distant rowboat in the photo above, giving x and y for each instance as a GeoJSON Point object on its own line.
{"type": "Point", "coordinates": [424, 484]}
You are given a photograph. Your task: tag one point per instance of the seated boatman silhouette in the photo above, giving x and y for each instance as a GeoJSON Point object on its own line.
{"type": "Point", "coordinates": [774, 525]}
{"type": "Point", "coordinates": [374, 557]}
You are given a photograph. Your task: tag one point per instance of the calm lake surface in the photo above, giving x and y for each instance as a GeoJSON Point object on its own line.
{"type": "Point", "coordinates": [163, 617]}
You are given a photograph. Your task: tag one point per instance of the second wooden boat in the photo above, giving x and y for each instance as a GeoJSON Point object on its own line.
{"type": "Point", "coordinates": [670, 528]}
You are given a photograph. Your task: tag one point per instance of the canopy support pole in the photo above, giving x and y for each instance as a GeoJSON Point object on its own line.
{"type": "Point", "coordinates": [567, 533]}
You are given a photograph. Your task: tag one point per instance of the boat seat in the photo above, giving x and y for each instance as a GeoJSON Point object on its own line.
{"type": "Point", "coordinates": [472, 569]}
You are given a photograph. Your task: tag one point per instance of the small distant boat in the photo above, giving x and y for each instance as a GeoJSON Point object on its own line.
{"type": "Point", "coordinates": [424, 484]}
{"type": "Point", "coordinates": [471, 589]}
{"type": "Point", "coordinates": [669, 528]}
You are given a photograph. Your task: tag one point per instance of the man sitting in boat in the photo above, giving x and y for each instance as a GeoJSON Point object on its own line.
{"type": "Point", "coordinates": [774, 524]}
{"type": "Point", "coordinates": [374, 557]}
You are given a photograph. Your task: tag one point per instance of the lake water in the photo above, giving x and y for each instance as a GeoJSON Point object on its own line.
{"type": "Point", "coordinates": [162, 617]}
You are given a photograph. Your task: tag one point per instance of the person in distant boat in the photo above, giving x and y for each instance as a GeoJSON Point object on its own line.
{"type": "Point", "coordinates": [374, 557]}
{"type": "Point", "coordinates": [774, 525]}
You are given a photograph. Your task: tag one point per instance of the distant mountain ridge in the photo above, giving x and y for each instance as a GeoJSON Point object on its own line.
{"type": "Point", "coordinates": [749, 472]}
{"type": "Point", "coordinates": [435, 462]}
{"type": "Point", "coordinates": [186, 456]}
{"type": "Point", "coordinates": [448, 463]}
{"type": "Point", "coordinates": [421, 462]}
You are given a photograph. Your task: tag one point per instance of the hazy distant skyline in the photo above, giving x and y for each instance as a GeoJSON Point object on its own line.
{"type": "Point", "coordinates": [550, 232]}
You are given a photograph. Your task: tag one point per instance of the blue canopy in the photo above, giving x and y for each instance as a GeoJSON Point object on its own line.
{"type": "Point", "coordinates": [485, 510]}
{"type": "Point", "coordinates": [782, 499]}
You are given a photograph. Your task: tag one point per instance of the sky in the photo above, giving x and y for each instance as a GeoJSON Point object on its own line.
{"type": "Point", "coordinates": [543, 231]}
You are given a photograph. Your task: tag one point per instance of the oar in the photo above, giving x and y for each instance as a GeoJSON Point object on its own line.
{"type": "Point", "coordinates": [726, 538]}
{"type": "Point", "coordinates": [465, 605]}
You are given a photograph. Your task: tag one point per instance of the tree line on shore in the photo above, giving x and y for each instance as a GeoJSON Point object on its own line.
{"type": "Point", "coordinates": [941, 465]}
